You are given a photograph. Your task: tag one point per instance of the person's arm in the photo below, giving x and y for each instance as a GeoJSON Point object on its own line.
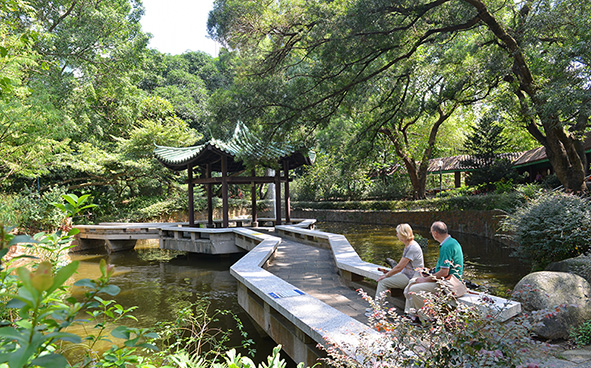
{"type": "Point", "coordinates": [439, 275]}
{"type": "Point", "coordinates": [442, 273]}
{"type": "Point", "coordinates": [399, 267]}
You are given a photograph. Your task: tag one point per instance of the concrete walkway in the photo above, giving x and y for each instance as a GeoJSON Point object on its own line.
{"type": "Point", "coordinates": [312, 269]}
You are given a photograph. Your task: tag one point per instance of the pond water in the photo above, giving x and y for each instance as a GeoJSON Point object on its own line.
{"type": "Point", "coordinates": [161, 282]}
{"type": "Point", "coordinates": [486, 262]}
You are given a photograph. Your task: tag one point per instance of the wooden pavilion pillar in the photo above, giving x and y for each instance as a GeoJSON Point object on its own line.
{"type": "Point", "coordinates": [458, 179]}
{"type": "Point", "coordinates": [209, 196]}
{"type": "Point", "coordinates": [253, 196]}
{"type": "Point", "coordinates": [191, 199]}
{"type": "Point", "coordinates": [225, 207]}
{"type": "Point", "coordinates": [286, 192]}
{"type": "Point", "coordinates": [278, 196]}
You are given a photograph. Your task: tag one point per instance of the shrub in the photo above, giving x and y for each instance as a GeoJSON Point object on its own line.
{"type": "Point", "coordinates": [581, 335]}
{"type": "Point", "coordinates": [31, 211]}
{"type": "Point", "coordinates": [454, 336]}
{"type": "Point", "coordinates": [36, 309]}
{"type": "Point", "coordinates": [397, 188]}
{"type": "Point", "coordinates": [551, 228]}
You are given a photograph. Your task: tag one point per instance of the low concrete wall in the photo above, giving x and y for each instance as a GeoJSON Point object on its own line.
{"type": "Point", "coordinates": [353, 268]}
{"type": "Point", "coordinates": [482, 223]}
{"type": "Point", "coordinates": [291, 317]}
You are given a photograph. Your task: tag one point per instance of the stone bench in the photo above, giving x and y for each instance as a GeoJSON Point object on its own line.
{"type": "Point", "coordinates": [353, 268]}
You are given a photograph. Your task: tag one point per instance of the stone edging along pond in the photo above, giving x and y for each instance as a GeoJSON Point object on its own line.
{"type": "Point", "coordinates": [481, 223]}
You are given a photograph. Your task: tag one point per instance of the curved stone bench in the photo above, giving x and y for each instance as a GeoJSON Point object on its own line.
{"type": "Point", "coordinates": [284, 310]}
{"type": "Point", "coordinates": [353, 268]}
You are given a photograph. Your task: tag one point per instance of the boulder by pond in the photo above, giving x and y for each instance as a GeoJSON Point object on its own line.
{"type": "Point", "coordinates": [580, 265]}
{"type": "Point", "coordinates": [546, 290]}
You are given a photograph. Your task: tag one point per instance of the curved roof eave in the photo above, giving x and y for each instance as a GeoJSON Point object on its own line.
{"type": "Point", "coordinates": [179, 159]}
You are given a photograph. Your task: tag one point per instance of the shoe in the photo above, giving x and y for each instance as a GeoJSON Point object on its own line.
{"type": "Point", "coordinates": [415, 320]}
{"type": "Point", "coordinates": [391, 262]}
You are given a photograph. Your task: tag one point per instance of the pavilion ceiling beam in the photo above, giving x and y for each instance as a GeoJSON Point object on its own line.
{"type": "Point", "coordinates": [239, 180]}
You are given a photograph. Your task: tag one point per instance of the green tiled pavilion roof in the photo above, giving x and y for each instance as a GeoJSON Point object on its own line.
{"type": "Point", "coordinates": [243, 147]}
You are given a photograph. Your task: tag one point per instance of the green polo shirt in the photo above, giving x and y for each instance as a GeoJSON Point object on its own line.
{"type": "Point", "coordinates": [450, 253]}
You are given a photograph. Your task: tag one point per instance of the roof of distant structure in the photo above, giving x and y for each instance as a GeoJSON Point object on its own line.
{"type": "Point", "coordinates": [459, 163]}
{"type": "Point", "coordinates": [243, 148]}
{"type": "Point", "coordinates": [519, 159]}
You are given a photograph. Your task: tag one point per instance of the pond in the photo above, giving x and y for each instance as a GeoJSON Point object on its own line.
{"type": "Point", "coordinates": [486, 262]}
{"type": "Point", "coordinates": [161, 282]}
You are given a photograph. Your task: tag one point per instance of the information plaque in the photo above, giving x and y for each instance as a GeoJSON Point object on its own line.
{"type": "Point", "coordinates": [286, 293]}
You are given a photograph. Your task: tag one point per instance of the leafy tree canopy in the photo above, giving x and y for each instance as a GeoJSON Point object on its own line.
{"type": "Point", "coordinates": [308, 59]}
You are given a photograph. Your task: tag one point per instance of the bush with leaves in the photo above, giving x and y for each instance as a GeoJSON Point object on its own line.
{"type": "Point", "coordinates": [454, 335]}
{"type": "Point", "coordinates": [550, 228]}
{"type": "Point", "coordinates": [36, 333]}
{"type": "Point", "coordinates": [581, 335]}
{"type": "Point", "coordinates": [398, 187]}
{"type": "Point", "coordinates": [29, 210]}
{"type": "Point", "coordinates": [192, 333]}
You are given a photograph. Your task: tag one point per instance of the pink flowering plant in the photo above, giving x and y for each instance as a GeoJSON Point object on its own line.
{"type": "Point", "coordinates": [451, 335]}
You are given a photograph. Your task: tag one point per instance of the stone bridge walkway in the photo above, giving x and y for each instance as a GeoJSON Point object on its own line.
{"type": "Point", "coordinates": [312, 269]}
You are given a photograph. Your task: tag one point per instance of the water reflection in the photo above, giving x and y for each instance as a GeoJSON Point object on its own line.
{"type": "Point", "coordinates": [160, 283]}
{"type": "Point", "coordinates": [486, 262]}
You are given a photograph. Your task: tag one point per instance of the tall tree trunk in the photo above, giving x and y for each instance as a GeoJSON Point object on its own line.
{"type": "Point", "coordinates": [417, 180]}
{"type": "Point", "coordinates": [418, 174]}
{"type": "Point", "coordinates": [563, 149]}
{"type": "Point", "coordinates": [562, 152]}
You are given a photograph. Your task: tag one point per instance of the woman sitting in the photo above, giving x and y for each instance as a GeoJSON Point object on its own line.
{"type": "Point", "coordinates": [411, 260]}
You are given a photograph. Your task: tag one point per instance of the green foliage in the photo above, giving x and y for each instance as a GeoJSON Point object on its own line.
{"type": "Point", "coordinates": [231, 360]}
{"type": "Point", "coordinates": [38, 313]}
{"type": "Point", "coordinates": [192, 334]}
{"type": "Point", "coordinates": [16, 52]}
{"type": "Point", "coordinates": [550, 228]}
{"type": "Point", "coordinates": [74, 204]}
{"type": "Point", "coordinates": [551, 182]}
{"type": "Point", "coordinates": [581, 335]}
{"type": "Point", "coordinates": [28, 210]}
{"type": "Point", "coordinates": [486, 140]}
{"type": "Point", "coordinates": [327, 179]}
{"type": "Point", "coordinates": [506, 201]}
{"type": "Point", "coordinates": [187, 81]}
{"type": "Point", "coordinates": [485, 144]}
{"type": "Point", "coordinates": [54, 246]}
{"type": "Point", "coordinates": [396, 187]}
{"type": "Point", "coordinates": [405, 76]}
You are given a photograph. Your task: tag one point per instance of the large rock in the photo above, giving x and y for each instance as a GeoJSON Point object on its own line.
{"type": "Point", "coordinates": [546, 290]}
{"type": "Point", "coordinates": [580, 265]}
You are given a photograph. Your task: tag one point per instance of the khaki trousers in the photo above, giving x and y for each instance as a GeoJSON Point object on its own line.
{"type": "Point", "coordinates": [396, 281]}
{"type": "Point", "coordinates": [416, 301]}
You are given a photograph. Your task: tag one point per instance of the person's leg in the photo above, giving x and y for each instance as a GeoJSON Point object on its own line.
{"type": "Point", "coordinates": [397, 281]}
{"type": "Point", "coordinates": [413, 300]}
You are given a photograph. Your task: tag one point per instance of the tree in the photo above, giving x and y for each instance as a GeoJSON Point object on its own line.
{"type": "Point", "coordinates": [548, 45]}
{"type": "Point", "coordinates": [484, 144]}
{"type": "Point", "coordinates": [179, 79]}
{"type": "Point", "coordinates": [72, 73]}
{"type": "Point", "coordinates": [323, 55]}
{"type": "Point", "coordinates": [323, 60]}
